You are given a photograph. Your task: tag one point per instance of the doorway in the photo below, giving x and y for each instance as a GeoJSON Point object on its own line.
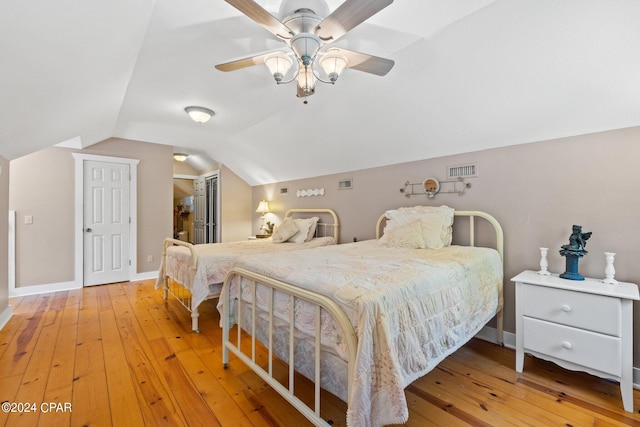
{"type": "Point", "coordinates": [183, 208]}
{"type": "Point", "coordinates": [196, 208]}
{"type": "Point", "coordinates": [106, 219]}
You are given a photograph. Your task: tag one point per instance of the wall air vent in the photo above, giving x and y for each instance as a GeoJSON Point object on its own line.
{"type": "Point", "coordinates": [345, 184]}
{"type": "Point", "coordinates": [468, 170]}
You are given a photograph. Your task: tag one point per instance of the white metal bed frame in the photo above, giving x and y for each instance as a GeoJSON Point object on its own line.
{"type": "Point", "coordinates": [183, 295]}
{"type": "Point", "coordinates": [321, 303]}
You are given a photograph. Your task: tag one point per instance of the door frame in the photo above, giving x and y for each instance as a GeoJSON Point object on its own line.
{"type": "Point", "coordinates": [173, 200]}
{"type": "Point", "coordinates": [79, 212]}
{"type": "Point", "coordinates": [215, 173]}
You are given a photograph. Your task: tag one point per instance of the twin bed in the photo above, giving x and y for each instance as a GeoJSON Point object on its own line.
{"type": "Point", "coordinates": [363, 320]}
{"type": "Point", "coordinates": [194, 273]}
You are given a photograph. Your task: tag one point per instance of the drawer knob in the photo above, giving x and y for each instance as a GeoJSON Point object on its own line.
{"type": "Point", "coordinates": [567, 345]}
{"type": "Point", "coordinates": [566, 308]}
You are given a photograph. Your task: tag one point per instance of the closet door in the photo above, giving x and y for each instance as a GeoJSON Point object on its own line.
{"type": "Point", "coordinates": [211, 221]}
{"type": "Point", "coordinates": [199, 210]}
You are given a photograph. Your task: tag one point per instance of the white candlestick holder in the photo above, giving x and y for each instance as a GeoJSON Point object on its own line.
{"type": "Point", "coordinates": [609, 269]}
{"type": "Point", "coordinates": [544, 264]}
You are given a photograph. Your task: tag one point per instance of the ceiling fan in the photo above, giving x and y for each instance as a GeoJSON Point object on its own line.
{"type": "Point", "coordinates": [308, 31]}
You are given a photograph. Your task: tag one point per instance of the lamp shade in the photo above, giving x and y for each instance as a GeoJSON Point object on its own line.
{"type": "Point", "coordinates": [333, 63]}
{"type": "Point", "coordinates": [199, 114]}
{"type": "Point", "coordinates": [263, 207]}
{"type": "Point", "coordinates": [306, 81]}
{"type": "Point", "coordinates": [279, 64]}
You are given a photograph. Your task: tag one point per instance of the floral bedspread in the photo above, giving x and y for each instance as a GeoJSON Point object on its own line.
{"type": "Point", "coordinates": [216, 259]}
{"type": "Point", "coordinates": [410, 309]}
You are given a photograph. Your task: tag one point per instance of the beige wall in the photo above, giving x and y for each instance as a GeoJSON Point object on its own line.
{"type": "Point", "coordinates": [537, 192]}
{"type": "Point", "coordinates": [42, 185]}
{"type": "Point", "coordinates": [184, 168]}
{"type": "Point", "coordinates": [4, 235]}
{"type": "Point", "coordinates": [235, 206]}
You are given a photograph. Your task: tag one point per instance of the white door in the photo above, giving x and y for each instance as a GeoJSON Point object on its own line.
{"type": "Point", "coordinates": [199, 209]}
{"type": "Point", "coordinates": [106, 222]}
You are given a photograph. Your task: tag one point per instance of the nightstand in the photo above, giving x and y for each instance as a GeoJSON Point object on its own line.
{"type": "Point", "coordinates": [579, 325]}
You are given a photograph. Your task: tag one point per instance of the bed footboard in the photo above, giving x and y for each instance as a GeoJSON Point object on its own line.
{"type": "Point", "coordinates": [181, 294]}
{"type": "Point", "coordinates": [319, 302]}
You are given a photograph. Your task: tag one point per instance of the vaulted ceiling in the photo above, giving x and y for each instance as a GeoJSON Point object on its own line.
{"type": "Point", "coordinates": [468, 75]}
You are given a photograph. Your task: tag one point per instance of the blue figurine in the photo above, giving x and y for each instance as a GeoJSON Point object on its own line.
{"type": "Point", "coordinates": [573, 252]}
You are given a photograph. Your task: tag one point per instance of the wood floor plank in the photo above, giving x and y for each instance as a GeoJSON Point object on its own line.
{"type": "Point", "coordinates": [561, 385]}
{"type": "Point", "coordinates": [89, 375]}
{"type": "Point", "coordinates": [190, 398]}
{"type": "Point", "coordinates": [60, 382]}
{"type": "Point", "coordinates": [122, 355]}
{"type": "Point", "coordinates": [11, 328]}
{"type": "Point", "coordinates": [8, 392]}
{"type": "Point", "coordinates": [205, 381]}
{"type": "Point", "coordinates": [19, 350]}
{"type": "Point", "coordinates": [423, 412]}
{"type": "Point", "coordinates": [139, 296]}
{"type": "Point", "coordinates": [157, 403]}
{"type": "Point", "coordinates": [36, 374]}
{"type": "Point", "coordinates": [512, 397]}
{"type": "Point", "coordinates": [123, 401]}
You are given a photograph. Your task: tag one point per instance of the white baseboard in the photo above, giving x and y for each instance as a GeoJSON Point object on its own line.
{"type": "Point", "coordinates": [66, 286]}
{"type": "Point", "coordinates": [490, 334]}
{"type": "Point", "coordinates": [43, 289]}
{"type": "Point", "coordinates": [145, 276]}
{"type": "Point", "coordinates": [5, 315]}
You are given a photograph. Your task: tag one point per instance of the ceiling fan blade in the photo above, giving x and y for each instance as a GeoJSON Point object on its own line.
{"type": "Point", "coordinates": [349, 15]}
{"type": "Point", "coordinates": [243, 63]}
{"type": "Point", "coordinates": [367, 63]}
{"type": "Point", "coordinates": [260, 15]}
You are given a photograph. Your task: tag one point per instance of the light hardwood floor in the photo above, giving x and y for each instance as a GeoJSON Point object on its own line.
{"type": "Point", "coordinates": [119, 355]}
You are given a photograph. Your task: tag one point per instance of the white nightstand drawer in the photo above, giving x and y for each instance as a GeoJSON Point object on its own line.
{"type": "Point", "coordinates": [589, 349]}
{"type": "Point", "coordinates": [582, 310]}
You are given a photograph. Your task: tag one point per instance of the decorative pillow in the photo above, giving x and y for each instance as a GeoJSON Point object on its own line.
{"type": "Point", "coordinates": [312, 228]}
{"type": "Point", "coordinates": [408, 236]}
{"type": "Point", "coordinates": [304, 225]}
{"type": "Point", "coordinates": [436, 223]}
{"type": "Point", "coordinates": [285, 231]}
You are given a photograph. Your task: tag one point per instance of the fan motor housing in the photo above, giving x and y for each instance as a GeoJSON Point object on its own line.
{"type": "Point", "coordinates": [302, 21]}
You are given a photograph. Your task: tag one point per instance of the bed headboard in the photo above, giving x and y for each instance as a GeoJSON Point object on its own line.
{"type": "Point", "coordinates": [321, 225]}
{"type": "Point", "coordinates": [465, 214]}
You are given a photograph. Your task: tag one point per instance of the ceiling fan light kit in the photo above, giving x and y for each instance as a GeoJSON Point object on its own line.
{"type": "Point", "coordinates": [307, 35]}
{"type": "Point", "coordinates": [333, 63]}
{"type": "Point", "coordinates": [279, 64]}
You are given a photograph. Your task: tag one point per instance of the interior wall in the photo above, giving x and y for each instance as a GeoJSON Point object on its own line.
{"type": "Point", "coordinates": [537, 191]}
{"type": "Point", "coordinates": [4, 237]}
{"type": "Point", "coordinates": [42, 185]}
{"type": "Point", "coordinates": [235, 206]}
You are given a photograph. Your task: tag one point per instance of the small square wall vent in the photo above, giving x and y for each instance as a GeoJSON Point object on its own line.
{"type": "Point", "coordinates": [345, 184]}
{"type": "Point", "coordinates": [467, 170]}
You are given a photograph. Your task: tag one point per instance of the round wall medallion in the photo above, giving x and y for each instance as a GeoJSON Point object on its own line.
{"type": "Point", "coordinates": [431, 186]}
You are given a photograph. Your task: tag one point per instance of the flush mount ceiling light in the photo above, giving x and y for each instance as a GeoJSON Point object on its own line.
{"type": "Point", "coordinates": [199, 114]}
{"type": "Point", "coordinates": [307, 35]}
{"type": "Point", "coordinates": [181, 157]}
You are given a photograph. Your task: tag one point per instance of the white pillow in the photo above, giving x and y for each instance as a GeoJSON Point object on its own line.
{"type": "Point", "coordinates": [436, 223]}
{"type": "Point", "coordinates": [286, 230]}
{"type": "Point", "coordinates": [312, 228]}
{"type": "Point", "coordinates": [408, 236]}
{"type": "Point", "coordinates": [304, 225]}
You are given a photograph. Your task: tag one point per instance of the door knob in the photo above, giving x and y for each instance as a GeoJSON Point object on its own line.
{"type": "Point", "coordinates": [88, 230]}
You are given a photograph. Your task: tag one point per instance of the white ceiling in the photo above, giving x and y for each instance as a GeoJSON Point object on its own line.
{"type": "Point", "coordinates": [469, 75]}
